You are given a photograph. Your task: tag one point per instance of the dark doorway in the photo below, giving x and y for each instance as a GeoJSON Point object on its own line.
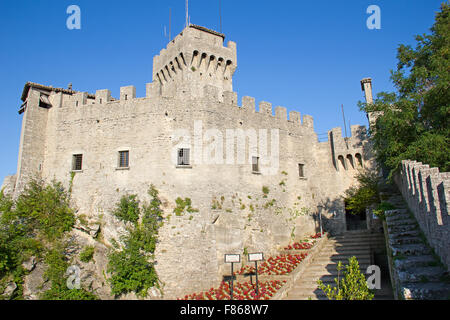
{"type": "Point", "coordinates": [355, 220]}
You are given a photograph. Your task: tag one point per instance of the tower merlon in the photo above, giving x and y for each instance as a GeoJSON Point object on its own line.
{"type": "Point", "coordinates": [80, 99]}
{"type": "Point", "coordinates": [265, 107]}
{"type": "Point", "coordinates": [308, 121]}
{"type": "Point", "coordinates": [281, 113]}
{"type": "Point", "coordinates": [294, 116]}
{"type": "Point", "coordinates": [127, 93]}
{"type": "Point", "coordinates": [248, 103]}
{"type": "Point", "coordinates": [102, 96]}
{"type": "Point", "coordinates": [230, 97]}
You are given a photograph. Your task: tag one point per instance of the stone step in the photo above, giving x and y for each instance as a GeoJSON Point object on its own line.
{"type": "Point", "coordinates": [410, 249]}
{"type": "Point", "coordinates": [332, 267]}
{"type": "Point", "coordinates": [404, 240]}
{"type": "Point", "coordinates": [426, 291]}
{"type": "Point", "coordinates": [326, 274]}
{"type": "Point", "coordinates": [402, 228]}
{"type": "Point", "coordinates": [356, 242]}
{"type": "Point", "coordinates": [414, 261]}
{"type": "Point", "coordinates": [404, 234]}
{"type": "Point", "coordinates": [398, 216]}
{"type": "Point", "coordinates": [421, 274]}
{"type": "Point", "coordinates": [402, 222]}
{"type": "Point", "coordinates": [336, 259]}
{"type": "Point", "coordinates": [391, 213]}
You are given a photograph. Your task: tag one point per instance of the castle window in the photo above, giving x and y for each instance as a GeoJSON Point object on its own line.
{"type": "Point", "coordinates": [183, 157]}
{"type": "Point", "coordinates": [77, 162]}
{"type": "Point", "coordinates": [255, 164]}
{"type": "Point", "coordinates": [350, 160]}
{"type": "Point", "coordinates": [341, 162]}
{"type": "Point", "coordinates": [301, 170]}
{"type": "Point", "coordinates": [124, 159]}
{"type": "Point", "coordinates": [358, 160]}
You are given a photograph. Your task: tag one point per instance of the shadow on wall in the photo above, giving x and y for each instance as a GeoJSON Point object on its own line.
{"type": "Point", "coordinates": [332, 215]}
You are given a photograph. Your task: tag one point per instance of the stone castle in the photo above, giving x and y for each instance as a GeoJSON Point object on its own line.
{"type": "Point", "coordinates": [184, 137]}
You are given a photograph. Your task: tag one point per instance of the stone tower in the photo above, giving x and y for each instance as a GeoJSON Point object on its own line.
{"type": "Point", "coordinates": [366, 86]}
{"type": "Point", "coordinates": [193, 59]}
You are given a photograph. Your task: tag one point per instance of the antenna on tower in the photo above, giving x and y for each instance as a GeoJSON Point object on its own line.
{"type": "Point", "coordinates": [220, 15]}
{"type": "Point", "coordinates": [187, 13]}
{"type": "Point", "coordinates": [345, 126]}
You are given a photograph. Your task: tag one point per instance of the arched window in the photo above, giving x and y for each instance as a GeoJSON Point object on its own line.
{"type": "Point", "coordinates": [350, 160]}
{"type": "Point", "coordinates": [359, 162]}
{"type": "Point", "coordinates": [341, 163]}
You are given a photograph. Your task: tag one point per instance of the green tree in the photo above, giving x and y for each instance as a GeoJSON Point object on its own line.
{"type": "Point", "coordinates": [132, 267]}
{"type": "Point", "coordinates": [358, 198]}
{"type": "Point", "coordinates": [413, 122]}
{"type": "Point", "coordinates": [352, 286]}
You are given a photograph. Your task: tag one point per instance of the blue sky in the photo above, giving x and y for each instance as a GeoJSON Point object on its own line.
{"type": "Point", "coordinates": [307, 56]}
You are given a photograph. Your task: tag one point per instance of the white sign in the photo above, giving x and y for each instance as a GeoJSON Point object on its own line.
{"type": "Point", "coordinates": [232, 258]}
{"type": "Point", "coordinates": [255, 256]}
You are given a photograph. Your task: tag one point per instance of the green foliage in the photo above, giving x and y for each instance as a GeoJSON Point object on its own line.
{"type": "Point", "coordinates": [265, 190]}
{"type": "Point", "coordinates": [183, 206]}
{"type": "Point", "coordinates": [56, 273]}
{"type": "Point", "coordinates": [131, 267]}
{"type": "Point", "coordinates": [34, 225]}
{"type": "Point", "coordinates": [414, 121]}
{"type": "Point", "coordinates": [45, 208]}
{"type": "Point", "coordinates": [352, 286]}
{"type": "Point", "coordinates": [87, 254]}
{"type": "Point", "coordinates": [365, 194]}
{"type": "Point", "coordinates": [381, 208]}
{"type": "Point", "coordinates": [128, 209]}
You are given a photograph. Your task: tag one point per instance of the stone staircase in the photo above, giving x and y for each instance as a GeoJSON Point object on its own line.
{"type": "Point", "coordinates": [365, 246]}
{"type": "Point", "coordinates": [416, 272]}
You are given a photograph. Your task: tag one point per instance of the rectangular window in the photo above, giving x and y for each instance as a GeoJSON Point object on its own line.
{"type": "Point", "coordinates": [255, 164]}
{"type": "Point", "coordinates": [77, 162]}
{"type": "Point", "coordinates": [124, 159]}
{"type": "Point", "coordinates": [183, 157]}
{"type": "Point", "coordinates": [301, 170]}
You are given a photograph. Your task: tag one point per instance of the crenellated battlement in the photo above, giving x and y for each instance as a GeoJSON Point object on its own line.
{"type": "Point", "coordinates": [427, 192]}
{"type": "Point", "coordinates": [348, 152]}
{"type": "Point", "coordinates": [194, 58]}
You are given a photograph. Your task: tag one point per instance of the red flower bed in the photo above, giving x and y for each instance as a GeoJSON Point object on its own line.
{"type": "Point", "coordinates": [299, 246]}
{"type": "Point", "coordinates": [241, 291]}
{"type": "Point", "coordinates": [317, 235]}
{"type": "Point", "coordinates": [280, 265]}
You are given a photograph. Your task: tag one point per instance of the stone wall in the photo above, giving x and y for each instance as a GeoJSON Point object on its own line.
{"type": "Point", "coordinates": [427, 192]}
{"type": "Point", "coordinates": [197, 99]}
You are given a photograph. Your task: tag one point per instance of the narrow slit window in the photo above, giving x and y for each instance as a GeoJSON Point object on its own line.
{"type": "Point", "coordinates": [77, 162]}
{"type": "Point", "coordinates": [301, 170]}
{"type": "Point", "coordinates": [124, 159]}
{"type": "Point", "coordinates": [183, 157]}
{"type": "Point", "coordinates": [255, 164]}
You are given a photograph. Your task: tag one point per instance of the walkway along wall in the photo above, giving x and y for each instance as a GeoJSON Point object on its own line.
{"type": "Point", "coordinates": [427, 192]}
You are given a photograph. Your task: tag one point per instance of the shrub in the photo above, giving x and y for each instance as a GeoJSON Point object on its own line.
{"type": "Point", "coordinates": [352, 286]}
{"type": "Point", "coordinates": [367, 193]}
{"type": "Point", "coordinates": [45, 208]}
{"type": "Point", "coordinates": [183, 205]}
{"type": "Point", "coordinates": [87, 254]}
{"type": "Point", "coordinates": [381, 208]}
{"type": "Point", "coordinates": [129, 266]}
{"type": "Point", "coordinates": [128, 209]}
